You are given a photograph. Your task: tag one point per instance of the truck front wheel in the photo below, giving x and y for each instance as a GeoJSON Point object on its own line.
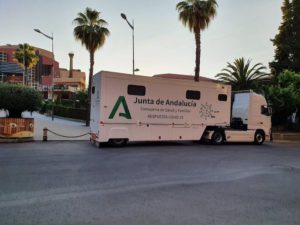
{"type": "Point", "coordinates": [259, 137]}
{"type": "Point", "coordinates": [218, 137]}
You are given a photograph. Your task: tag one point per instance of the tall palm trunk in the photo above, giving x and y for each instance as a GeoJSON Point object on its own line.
{"type": "Point", "coordinates": [90, 88]}
{"type": "Point", "coordinates": [26, 76]}
{"type": "Point", "coordinates": [198, 54]}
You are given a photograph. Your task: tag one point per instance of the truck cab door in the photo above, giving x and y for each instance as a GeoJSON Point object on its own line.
{"type": "Point", "coordinates": [265, 117]}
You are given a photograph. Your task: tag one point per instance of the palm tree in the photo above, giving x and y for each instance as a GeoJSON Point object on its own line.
{"type": "Point", "coordinates": [243, 77]}
{"type": "Point", "coordinates": [90, 30]}
{"type": "Point", "coordinates": [25, 55]}
{"type": "Point", "coordinates": [196, 15]}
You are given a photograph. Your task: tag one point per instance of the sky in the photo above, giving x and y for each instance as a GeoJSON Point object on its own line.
{"type": "Point", "coordinates": [242, 28]}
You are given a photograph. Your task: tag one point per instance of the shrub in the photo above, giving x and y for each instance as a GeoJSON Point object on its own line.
{"type": "Point", "coordinates": [67, 102]}
{"type": "Point", "coordinates": [82, 97]}
{"type": "Point", "coordinates": [46, 107]}
{"type": "Point", "coordinates": [68, 112]}
{"type": "Point", "coordinates": [17, 99]}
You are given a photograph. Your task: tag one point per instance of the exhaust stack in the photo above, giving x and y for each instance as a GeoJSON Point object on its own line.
{"type": "Point", "coordinates": [71, 55]}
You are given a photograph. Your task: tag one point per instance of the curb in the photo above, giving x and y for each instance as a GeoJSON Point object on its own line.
{"type": "Point", "coordinates": [292, 137]}
{"type": "Point", "coordinates": [66, 118]}
{"type": "Point", "coordinates": [16, 140]}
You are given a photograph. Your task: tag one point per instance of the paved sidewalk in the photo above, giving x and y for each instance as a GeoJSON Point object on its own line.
{"type": "Point", "coordinates": [58, 125]}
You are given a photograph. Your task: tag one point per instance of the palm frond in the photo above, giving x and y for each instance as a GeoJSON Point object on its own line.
{"type": "Point", "coordinates": [241, 75]}
{"type": "Point", "coordinates": [196, 14]}
{"type": "Point", "coordinates": [91, 29]}
{"type": "Point", "coordinates": [25, 55]}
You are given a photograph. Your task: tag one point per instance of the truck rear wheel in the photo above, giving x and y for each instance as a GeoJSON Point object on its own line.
{"type": "Point", "coordinates": [259, 137]}
{"type": "Point", "coordinates": [117, 142]}
{"type": "Point", "coordinates": [218, 137]}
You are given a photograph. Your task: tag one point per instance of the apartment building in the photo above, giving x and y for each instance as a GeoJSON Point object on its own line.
{"type": "Point", "coordinates": [44, 76]}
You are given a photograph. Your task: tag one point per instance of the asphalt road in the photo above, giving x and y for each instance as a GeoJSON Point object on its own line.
{"type": "Point", "coordinates": [66, 183]}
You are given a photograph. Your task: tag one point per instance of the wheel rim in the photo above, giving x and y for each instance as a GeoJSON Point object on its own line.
{"type": "Point", "coordinates": [259, 138]}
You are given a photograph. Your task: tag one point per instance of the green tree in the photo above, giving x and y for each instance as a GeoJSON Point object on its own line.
{"type": "Point", "coordinates": [284, 97]}
{"type": "Point", "coordinates": [242, 76]}
{"type": "Point", "coordinates": [90, 30]}
{"type": "Point", "coordinates": [287, 41]}
{"type": "Point", "coordinates": [25, 55]}
{"type": "Point", "coordinates": [17, 99]}
{"type": "Point", "coordinates": [196, 15]}
{"type": "Point", "coordinates": [82, 97]}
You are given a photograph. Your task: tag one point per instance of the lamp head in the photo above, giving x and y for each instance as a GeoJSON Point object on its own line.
{"type": "Point", "coordinates": [123, 16]}
{"type": "Point", "coordinates": [37, 30]}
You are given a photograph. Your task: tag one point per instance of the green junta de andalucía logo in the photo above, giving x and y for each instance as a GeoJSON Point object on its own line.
{"type": "Point", "coordinates": [126, 114]}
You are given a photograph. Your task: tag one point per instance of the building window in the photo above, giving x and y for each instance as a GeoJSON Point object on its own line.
{"type": "Point", "coordinates": [222, 98]}
{"type": "Point", "coordinates": [3, 57]}
{"type": "Point", "coordinates": [47, 69]}
{"type": "Point", "coordinates": [2, 78]}
{"type": "Point", "coordinates": [31, 78]}
{"type": "Point", "coordinates": [194, 95]}
{"type": "Point", "coordinates": [136, 90]}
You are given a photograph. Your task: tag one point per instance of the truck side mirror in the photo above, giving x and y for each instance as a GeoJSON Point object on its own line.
{"type": "Point", "coordinates": [265, 110]}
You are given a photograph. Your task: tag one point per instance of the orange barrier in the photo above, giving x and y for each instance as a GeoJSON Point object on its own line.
{"type": "Point", "coordinates": [16, 127]}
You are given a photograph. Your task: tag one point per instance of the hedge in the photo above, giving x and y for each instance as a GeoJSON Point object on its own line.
{"type": "Point", "coordinates": [73, 113]}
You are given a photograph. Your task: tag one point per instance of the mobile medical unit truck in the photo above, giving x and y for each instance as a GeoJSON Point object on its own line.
{"type": "Point", "coordinates": [140, 108]}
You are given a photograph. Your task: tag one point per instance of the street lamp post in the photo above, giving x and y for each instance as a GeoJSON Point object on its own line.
{"type": "Point", "coordinates": [132, 27]}
{"type": "Point", "coordinates": [52, 89]}
{"type": "Point", "coordinates": [24, 66]}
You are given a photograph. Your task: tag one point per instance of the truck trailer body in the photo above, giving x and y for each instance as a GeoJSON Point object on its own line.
{"type": "Point", "coordinates": [139, 108]}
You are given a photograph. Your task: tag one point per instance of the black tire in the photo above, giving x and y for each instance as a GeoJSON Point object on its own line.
{"type": "Point", "coordinates": [259, 137]}
{"type": "Point", "coordinates": [117, 142]}
{"type": "Point", "coordinates": [218, 137]}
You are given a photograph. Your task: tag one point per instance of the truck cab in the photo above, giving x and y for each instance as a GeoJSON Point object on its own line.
{"type": "Point", "coordinates": [250, 120]}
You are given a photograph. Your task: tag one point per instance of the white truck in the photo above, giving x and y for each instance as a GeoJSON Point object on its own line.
{"type": "Point", "coordinates": [140, 108]}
